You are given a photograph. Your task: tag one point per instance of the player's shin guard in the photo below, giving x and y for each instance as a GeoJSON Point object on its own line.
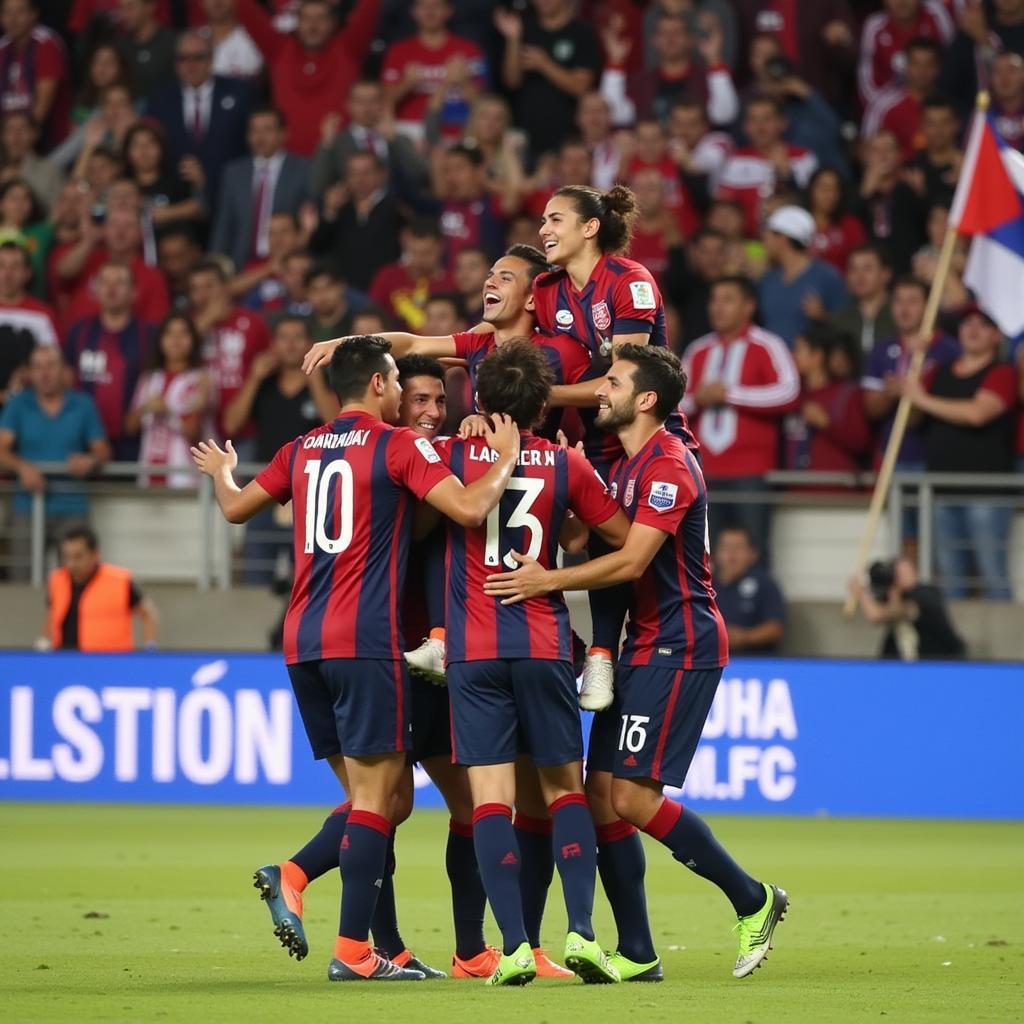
{"type": "Point", "coordinates": [384, 924]}
{"type": "Point", "coordinates": [693, 845]}
{"type": "Point", "coordinates": [575, 849]}
{"type": "Point", "coordinates": [534, 838]}
{"type": "Point", "coordinates": [621, 864]}
{"type": "Point", "coordinates": [468, 897]}
{"type": "Point", "coordinates": [362, 857]}
{"type": "Point", "coordinates": [497, 854]}
{"type": "Point", "coordinates": [320, 854]}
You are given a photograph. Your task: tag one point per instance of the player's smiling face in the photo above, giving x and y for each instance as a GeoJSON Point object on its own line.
{"type": "Point", "coordinates": [563, 233]}
{"type": "Point", "coordinates": [507, 291]}
{"type": "Point", "coordinates": [616, 397]}
{"type": "Point", "coordinates": [423, 406]}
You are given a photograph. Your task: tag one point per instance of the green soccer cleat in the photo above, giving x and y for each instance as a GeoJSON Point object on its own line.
{"type": "Point", "coordinates": [285, 906]}
{"type": "Point", "coordinates": [630, 970]}
{"type": "Point", "coordinates": [585, 958]}
{"type": "Point", "coordinates": [756, 931]}
{"type": "Point", "coordinates": [518, 968]}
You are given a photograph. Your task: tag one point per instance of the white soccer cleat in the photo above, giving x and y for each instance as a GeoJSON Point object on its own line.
{"type": "Point", "coordinates": [598, 682]}
{"type": "Point", "coordinates": [427, 661]}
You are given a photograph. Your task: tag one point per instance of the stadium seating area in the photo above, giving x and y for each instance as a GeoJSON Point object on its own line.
{"type": "Point", "coordinates": [181, 179]}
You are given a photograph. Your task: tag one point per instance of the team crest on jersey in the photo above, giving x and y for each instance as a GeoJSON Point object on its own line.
{"type": "Point", "coordinates": [643, 295]}
{"type": "Point", "coordinates": [663, 496]}
{"type": "Point", "coordinates": [627, 498]}
{"type": "Point", "coordinates": [601, 315]}
{"type": "Point", "coordinates": [427, 450]}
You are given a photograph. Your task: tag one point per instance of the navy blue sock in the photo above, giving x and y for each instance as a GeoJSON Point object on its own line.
{"type": "Point", "coordinates": [497, 855]}
{"type": "Point", "coordinates": [384, 924]}
{"type": "Point", "coordinates": [608, 606]}
{"type": "Point", "coordinates": [468, 897]}
{"type": "Point", "coordinates": [435, 581]}
{"type": "Point", "coordinates": [320, 854]}
{"type": "Point", "coordinates": [534, 838]}
{"type": "Point", "coordinates": [693, 845]}
{"type": "Point", "coordinates": [364, 849]}
{"type": "Point", "coordinates": [575, 850]}
{"type": "Point", "coordinates": [622, 864]}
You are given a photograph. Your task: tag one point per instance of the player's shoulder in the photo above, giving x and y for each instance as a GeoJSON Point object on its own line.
{"type": "Point", "coordinates": [626, 269]}
{"type": "Point", "coordinates": [549, 279]}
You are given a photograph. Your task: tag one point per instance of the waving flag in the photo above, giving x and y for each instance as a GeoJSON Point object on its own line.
{"type": "Point", "coordinates": [989, 205]}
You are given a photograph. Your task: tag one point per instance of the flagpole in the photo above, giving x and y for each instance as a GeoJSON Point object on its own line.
{"type": "Point", "coordinates": [899, 425]}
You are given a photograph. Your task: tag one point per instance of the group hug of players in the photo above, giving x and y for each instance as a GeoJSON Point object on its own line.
{"type": "Point", "coordinates": [461, 535]}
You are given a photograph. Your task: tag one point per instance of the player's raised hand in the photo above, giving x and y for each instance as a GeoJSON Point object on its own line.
{"type": "Point", "coordinates": [473, 426]}
{"type": "Point", "coordinates": [210, 458]}
{"type": "Point", "coordinates": [320, 353]}
{"type": "Point", "coordinates": [502, 434]}
{"type": "Point", "coordinates": [563, 441]}
{"type": "Point", "coordinates": [529, 580]}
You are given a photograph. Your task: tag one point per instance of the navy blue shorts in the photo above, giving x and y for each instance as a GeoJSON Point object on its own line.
{"type": "Point", "coordinates": [353, 706]}
{"type": "Point", "coordinates": [654, 724]}
{"type": "Point", "coordinates": [504, 708]}
{"type": "Point", "coordinates": [431, 720]}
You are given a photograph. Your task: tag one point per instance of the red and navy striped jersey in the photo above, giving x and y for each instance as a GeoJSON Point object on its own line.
{"type": "Point", "coordinates": [620, 298]}
{"type": "Point", "coordinates": [673, 618]}
{"type": "Point", "coordinates": [351, 483]}
{"type": "Point", "coordinates": [568, 358]}
{"type": "Point", "coordinates": [547, 482]}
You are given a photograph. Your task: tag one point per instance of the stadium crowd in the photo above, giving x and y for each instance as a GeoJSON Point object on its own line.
{"type": "Point", "coordinates": [191, 193]}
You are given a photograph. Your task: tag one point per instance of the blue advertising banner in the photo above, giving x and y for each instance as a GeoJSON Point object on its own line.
{"type": "Point", "coordinates": [783, 737]}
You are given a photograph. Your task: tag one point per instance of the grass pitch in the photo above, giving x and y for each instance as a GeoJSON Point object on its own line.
{"type": "Point", "coordinates": [147, 914]}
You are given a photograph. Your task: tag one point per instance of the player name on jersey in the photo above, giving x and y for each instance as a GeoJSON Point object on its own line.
{"type": "Point", "coordinates": [337, 440]}
{"type": "Point", "coordinates": [526, 458]}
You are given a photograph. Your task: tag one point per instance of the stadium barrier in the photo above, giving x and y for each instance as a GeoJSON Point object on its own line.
{"type": "Point", "coordinates": [811, 737]}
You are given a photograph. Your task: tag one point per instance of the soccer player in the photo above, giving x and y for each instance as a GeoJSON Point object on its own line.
{"type": "Point", "coordinates": [676, 646]}
{"type": "Point", "coordinates": [351, 483]}
{"type": "Point", "coordinates": [509, 669]}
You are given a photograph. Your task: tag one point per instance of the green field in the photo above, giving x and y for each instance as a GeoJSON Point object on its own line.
{"type": "Point", "coordinates": [906, 921]}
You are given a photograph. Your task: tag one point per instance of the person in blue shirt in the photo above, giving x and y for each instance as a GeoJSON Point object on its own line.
{"type": "Point", "coordinates": [49, 423]}
{"type": "Point", "coordinates": [748, 598]}
{"type": "Point", "coordinates": [797, 279]}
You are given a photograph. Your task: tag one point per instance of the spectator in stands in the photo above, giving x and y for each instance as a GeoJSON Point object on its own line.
{"type": "Point", "coordinates": [472, 267]}
{"type": "Point", "coordinates": [106, 353]}
{"type": "Point", "coordinates": [767, 166]}
{"type": "Point", "coordinates": [837, 232]}
{"type": "Point", "coordinates": [899, 109]}
{"type": "Point", "coordinates": [314, 67]}
{"type": "Point", "coordinates": [22, 221]}
{"type": "Point", "coordinates": [924, 265]}
{"type": "Point", "coordinates": [235, 55]}
{"type": "Point", "coordinates": [886, 38]}
{"type": "Point", "coordinates": [891, 209]}
{"type": "Point", "coordinates": [933, 172]}
{"type": "Point", "coordinates": [571, 166]}
{"type": "Point", "coordinates": [651, 153]}
{"type": "Point", "coordinates": [1006, 85]}
{"type": "Point", "coordinates": [690, 278]}
{"type": "Point", "coordinates": [277, 402]}
{"type": "Point", "coordinates": [369, 320]}
{"type": "Point", "coordinates": [19, 136]}
{"type": "Point", "coordinates": [489, 129]}
{"type": "Point", "coordinates": [360, 226]}
{"type": "Point", "coordinates": [168, 197]}
{"type": "Point", "coordinates": [148, 44]}
{"type": "Point", "coordinates": [104, 131]}
{"type": "Point", "coordinates": [205, 116]}
{"type": "Point", "coordinates": [594, 122]}
{"type": "Point", "coordinates": [829, 432]}
{"type": "Point", "coordinates": [253, 188]}
{"type": "Point", "coordinates": [49, 423]}
{"type": "Point", "coordinates": [741, 381]}
{"type": "Point", "coordinates": [551, 58]}
{"type": "Point", "coordinates": [969, 408]}
{"type": "Point", "coordinates": [369, 129]}
{"type": "Point", "coordinates": [119, 240]}
{"type": "Point", "coordinates": [799, 287]}
{"type": "Point", "coordinates": [443, 315]}
{"type": "Point", "coordinates": [656, 234]}
{"type": "Point", "coordinates": [401, 289]}
{"type": "Point", "coordinates": [25, 322]}
{"type": "Point", "coordinates": [171, 404]}
{"type": "Point", "coordinates": [90, 603]}
{"type": "Point", "coordinates": [918, 623]}
{"type": "Point", "coordinates": [702, 16]}
{"type": "Point", "coordinates": [866, 318]}
{"type": "Point", "coordinates": [178, 253]}
{"type": "Point", "coordinates": [432, 69]}
{"type": "Point", "coordinates": [887, 366]}
{"type": "Point", "coordinates": [698, 152]}
{"type": "Point", "coordinates": [232, 339]}
{"type": "Point", "coordinates": [107, 65]}
{"type": "Point", "coordinates": [980, 36]}
{"type": "Point", "coordinates": [748, 596]}
{"type": "Point", "coordinates": [33, 68]}
{"type": "Point", "coordinates": [261, 285]}
{"type": "Point", "coordinates": [330, 313]}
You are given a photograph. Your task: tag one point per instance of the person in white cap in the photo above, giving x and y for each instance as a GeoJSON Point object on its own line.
{"type": "Point", "coordinates": [796, 279]}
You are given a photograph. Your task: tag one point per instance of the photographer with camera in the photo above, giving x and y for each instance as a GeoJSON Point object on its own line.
{"type": "Point", "coordinates": [919, 626]}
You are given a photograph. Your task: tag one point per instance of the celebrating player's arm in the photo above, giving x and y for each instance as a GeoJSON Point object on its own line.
{"type": "Point", "coordinates": [402, 344]}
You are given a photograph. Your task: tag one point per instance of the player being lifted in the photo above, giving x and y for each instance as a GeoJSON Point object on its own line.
{"type": "Point", "coordinates": [510, 673]}
{"type": "Point", "coordinates": [671, 663]}
{"type": "Point", "coordinates": [352, 483]}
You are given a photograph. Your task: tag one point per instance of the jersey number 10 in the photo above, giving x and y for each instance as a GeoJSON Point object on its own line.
{"type": "Point", "coordinates": [318, 493]}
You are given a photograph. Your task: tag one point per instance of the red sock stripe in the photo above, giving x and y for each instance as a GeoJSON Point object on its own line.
{"type": "Point", "coordinates": [567, 801]}
{"type": "Point", "coordinates": [539, 826]}
{"type": "Point", "coordinates": [370, 820]}
{"type": "Point", "coordinates": [342, 808]}
{"type": "Point", "coordinates": [490, 810]}
{"type": "Point", "coordinates": [664, 819]}
{"type": "Point", "coordinates": [466, 831]}
{"type": "Point", "coordinates": [614, 832]}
